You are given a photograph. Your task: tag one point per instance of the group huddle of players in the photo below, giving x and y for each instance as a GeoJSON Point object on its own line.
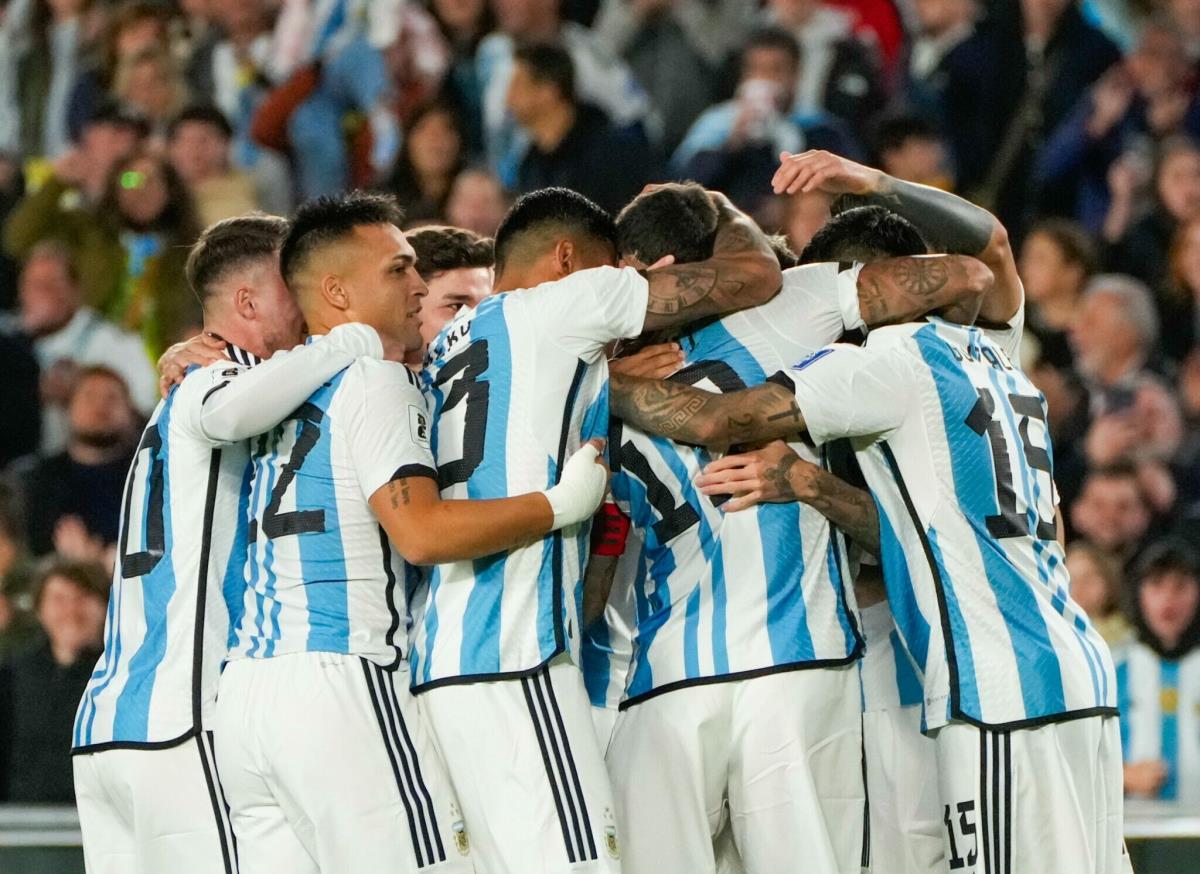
{"type": "Point", "coordinates": [369, 617]}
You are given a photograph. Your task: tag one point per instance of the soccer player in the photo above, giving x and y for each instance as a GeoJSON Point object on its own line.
{"type": "Point", "coordinates": [456, 265]}
{"type": "Point", "coordinates": [517, 383]}
{"type": "Point", "coordinates": [147, 791]}
{"type": "Point", "coordinates": [327, 763]}
{"type": "Point", "coordinates": [743, 694]}
{"type": "Point", "coordinates": [1019, 690]}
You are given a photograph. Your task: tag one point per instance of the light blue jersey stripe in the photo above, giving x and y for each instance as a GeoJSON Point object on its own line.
{"type": "Point", "coordinates": [1124, 703]}
{"type": "Point", "coordinates": [968, 685]}
{"type": "Point", "coordinates": [233, 587]}
{"type": "Point", "coordinates": [1170, 730]}
{"type": "Point", "coordinates": [901, 594]}
{"type": "Point", "coordinates": [480, 651]}
{"type": "Point", "coordinates": [907, 682]}
{"type": "Point", "coordinates": [132, 714]}
{"type": "Point", "coordinates": [1037, 662]}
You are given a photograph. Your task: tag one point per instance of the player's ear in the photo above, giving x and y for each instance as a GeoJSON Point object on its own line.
{"type": "Point", "coordinates": [334, 293]}
{"type": "Point", "coordinates": [243, 303]}
{"type": "Point", "coordinates": [564, 257]}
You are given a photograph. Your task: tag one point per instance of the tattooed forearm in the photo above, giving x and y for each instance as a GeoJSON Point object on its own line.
{"type": "Point", "coordinates": [849, 508]}
{"type": "Point", "coordinates": [954, 224]}
{"type": "Point", "coordinates": [690, 415]}
{"type": "Point", "coordinates": [902, 289]}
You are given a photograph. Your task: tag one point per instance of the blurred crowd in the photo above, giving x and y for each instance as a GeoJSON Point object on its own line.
{"type": "Point", "coordinates": [126, 127]}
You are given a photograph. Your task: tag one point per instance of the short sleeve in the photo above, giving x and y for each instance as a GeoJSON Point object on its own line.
{"type": "Point", "coordinates": [1007, 335]}
{"type": "Point", "coordinates": [388, 426]}
{"type": "Point", "coordinates": [199, 386]}
{"type": "Point", "coordinates": [848, 391]}
{"type": "Point", "coordinates": [590, 308]}
{"type": "Point", "coordinates": [818, 303]}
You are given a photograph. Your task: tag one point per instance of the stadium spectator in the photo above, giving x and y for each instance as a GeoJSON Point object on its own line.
{"type": "Point", "coordinates": [40, 688]}
{"type": "Point", "coordinates": [678, 50]}
{"type": "Point", "coordinates": [151, 218]}
{"type": "Point", "coordinates": [50, 50]}
{"type": "Point", "coordinates": [911, 149]}
{"type": "Point", "coordinates": [67, 335]}
{"type": "Point", "coordinates": [1057, 260]}
{"type": "Point", "coordinates": [17, 625]}
{"type": "Point", "coordinates": [1157, 676]}
{"type": "Point", "coordinates": [151, 85]}
{"type": "Point", "coordinates": [476, 202]}
{"type": "Point", "coordinates": [199, 147]}
{"type": "Point", "coordinates": [1185, 18]}
{"type": "Point", "coordinates": [431, 158]}
{"type": "Point", "coordinates": [66, 206]}
{"type": "Point", "coordinates": [1136, 104]}
{"type": "Point", "coordinates": [1038, 57]}
{"type": "Point", "coordinates": [1113, 337]}
{"type": "Point", "coordinates": [1111, 512]}
{"type": "Point", "coordinates": [136, 26]}
{"type": "Point", "coordinates": [1096, 587]}
{"type": "Point", "coordinates": [464, 24]}
{"type": "Point", "coordinates": [840, 74]}
{"type": "Point", "coordinates": [457, 268]}
{"type": "Point", "coordinates": [572, 144]}
{"type": "Point", "coordinates": [1140, 247]}
{"type": "Point", "coordinates": [734, 146]}
{"type": "Point", "coordinates": [80, 488]}
{"type": "Point", "coordinates": [1178, 298]}
{"type": "Point", "coordinates": [600, 78]}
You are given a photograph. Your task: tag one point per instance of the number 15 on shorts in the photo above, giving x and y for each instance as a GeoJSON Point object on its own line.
{"type": "Point", "coordinates": [962, 840]}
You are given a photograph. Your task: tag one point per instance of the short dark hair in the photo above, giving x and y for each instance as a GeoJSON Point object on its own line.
{"type": "Point", "coordinates": [864, 233]}
{"type": "Point", "coordinates": [441, 247]}
{"type": "Point", "coordinates": [115, 114]}
{"type": "Point", "coordinates": [550, 210]}
{"type": "Point", "coordinates": [329, 219]}
{"type": "Point", "coordinates": [1073, 241]}
{"type": "Point", "coordinates": [231, 244]}
{"type": "Point", "coordinates": [773, 38]}
{"type": "Point", "coordinates": [549, 63]}
{"type": "Point", "coordinates": [88, 575]}
{"type": "Point", "coordinates": [678, 219]}
{"type": "Point", "coordinates": [199, 113]}
{"type": "Point", "coordinates": [1170, 555]}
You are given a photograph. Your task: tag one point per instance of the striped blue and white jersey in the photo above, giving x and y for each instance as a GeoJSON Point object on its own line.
{"type": "Point", "coordinates": [516, 385]}
{"type": "Point", "coordinates": [321, 574]}
{"type": "Point", "coordinates": [1160, 715]}
{"type": "Point", "coordinates": [889, 677]}
{"type": "Point", "coordinates": [178, 577]}
{"type": "Point", "coordinates": [728, 596]}
{"type": "Point", "coordinates": [607, 649]}
{"type": "Point", "coordinates": [953, 442]}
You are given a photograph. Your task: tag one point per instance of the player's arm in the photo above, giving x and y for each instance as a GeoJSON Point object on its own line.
{"type": "Point", "coordinates": [691, 415]}
{"type": "Point", "coordinates": [957, 224]}
{"type": "Point", "coordinates": [610, 530]}
{"type": "Point", "coordinates": [776, 474]}
{"type": "Point", "coordinates": [899, 290]}
{"type": "Point", "coordinates": [428, 530]}
{"type": "Point", "coordinates": [742, 272]}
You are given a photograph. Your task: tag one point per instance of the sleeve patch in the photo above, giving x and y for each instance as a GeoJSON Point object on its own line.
{"type": "Point", "coordinates": [418, 425]}
{"type": "Point", "coordinates": [812, 359]}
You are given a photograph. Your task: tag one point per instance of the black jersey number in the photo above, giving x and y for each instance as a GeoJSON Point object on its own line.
{"type": "Point", "coordinates": [1010, 522]}
{"type": "Point", "coordinates": [472, 363]}
{"type": "Point", "coordinates": [274, 523]}
{"type": "Point", "coordinates": [139, 563]}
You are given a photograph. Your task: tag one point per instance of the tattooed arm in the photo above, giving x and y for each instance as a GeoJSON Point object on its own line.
{"type": "Point", "coordinates": [903, 289]}
{"type": "Point", "coordinates": [691, 415]}
{"type": "Point", "coordinates": [742, 272]}
{"type": "Point", "coordinates": [776, 474]}
{"type": "Point", "coordinates": [947, 221]}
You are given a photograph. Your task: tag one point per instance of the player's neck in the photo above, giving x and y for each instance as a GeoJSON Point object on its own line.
{"type": "Point", "coordinates": [239, 335]}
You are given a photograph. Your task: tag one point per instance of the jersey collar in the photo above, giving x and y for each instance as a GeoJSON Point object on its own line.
{"type": "Point", "coordinates": [240, 355]}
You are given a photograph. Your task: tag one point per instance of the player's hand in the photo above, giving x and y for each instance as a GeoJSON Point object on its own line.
{"type": "Point", "coordinates": [761, 476]}
{"type": "Point", "coordinates": [1145, 778]}
{"type": "Point", "coordinates": [202, 350]}
{"type": "Point", "coordinates": [581, 487]}
{"type": "Point", "coordinates": [825, 172]}
{"type": "Point", "coordinates": [652, 362]}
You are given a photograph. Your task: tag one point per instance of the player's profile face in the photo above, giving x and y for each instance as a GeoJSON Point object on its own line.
{"type": "Point", "coordinates": [384, 287]}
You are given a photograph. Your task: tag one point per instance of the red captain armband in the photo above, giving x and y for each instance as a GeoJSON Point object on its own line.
{"type": "Point", "coordinates": [610, 529]}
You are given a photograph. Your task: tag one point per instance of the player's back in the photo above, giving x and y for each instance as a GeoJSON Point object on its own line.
{"type": "Point", "coordinates": [516, 386]}
{"type": "Point", "coordinates": [968, 526]}
{"type": "Point", "coordinates": [177, 578]}
{"type": "Point", "coordinates": [738, 593]}
{"type": "Point", "coordinates": [321, 574]}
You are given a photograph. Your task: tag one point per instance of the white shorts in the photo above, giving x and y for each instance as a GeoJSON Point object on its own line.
{"type": "Point", "coordinates": [905, 826]}
{"type": "Point", "coordinates": [906, 833]}
{"type": "Point", "coordinates": [147, 811]}
{"type": "Point", "coordinates": [779, 757]}
{"type": "Point", "coordinates": [328, 766]}
{"type": "Point", "coordinates": [524, 757]}
{"type": "Point", "coordinates": [1043, 800]}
